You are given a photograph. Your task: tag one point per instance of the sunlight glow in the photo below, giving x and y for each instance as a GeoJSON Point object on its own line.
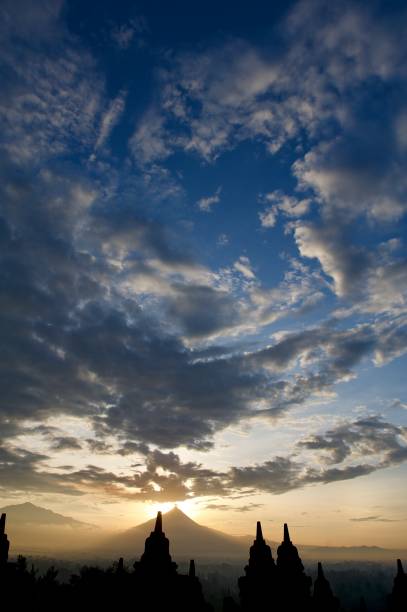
{"type": "Point", "coordinates": [189, 507]}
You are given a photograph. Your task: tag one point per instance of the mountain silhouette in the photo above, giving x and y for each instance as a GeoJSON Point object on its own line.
{"type": "Point", "coordinates": [28, 514]}
{"type": "Point", "coordinates": [188, 539]}
{"type": "Point", "coordinates": [37, 530]}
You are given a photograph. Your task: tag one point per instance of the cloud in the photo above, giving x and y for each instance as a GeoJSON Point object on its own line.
{"type": "Point", "coordinates": [268, 217]}
{"type": "Point", "coordinates": [77, 341]}
{"type": "Point", "coordinates": [61, 443]}
{"type": "Point", "coordinates": [240, 92]}
{"type": "Point", "coordinates": [110, 119]}
{"type": "Point", "coordinates": [398, 404]}
{"type": "Point", "coordinates": [243, 266]}
{"type": "Point", "coordinates": [82, 335]}
{"type": "Point", "coordinates": [150, 142]}
{"type": "Point", "coordinates": [344, 263]}
{"type": "Point", "coordinates": [372, 519]}
{"type": "Point", "coordinates": [21, 470]}
{"type": "Point", "coordinates": [206, 204]}
{"type": "Point", "coordinates": [223, 240]}
{"type": "Point", "coordinates": [278, 202]}
{"type": "Point", "coordinates": [50, 102]}
{"type": "Point", "coordinates": [28, 21]}
{"type": "Point", "coordinates": [370, 438]}
{"type": "Point", "coordinates": [372, 279]}
{"type": "Point", "coordinates": [366, 436]}
{"type": "Point", "coordinates": [124, 34]}
{"type": "Point", "coordinates": [162, 476]}
{"type": "Point", "coordinates": [358, 173]}
{"type": "Point", "coordinates": [228, 508]}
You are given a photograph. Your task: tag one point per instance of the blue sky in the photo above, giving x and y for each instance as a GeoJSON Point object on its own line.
{"type": "Point", "coordinates": [204, 274]}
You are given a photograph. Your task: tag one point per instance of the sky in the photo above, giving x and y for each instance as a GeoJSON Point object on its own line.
{"type": "Point", "coordinates": [203, 263]}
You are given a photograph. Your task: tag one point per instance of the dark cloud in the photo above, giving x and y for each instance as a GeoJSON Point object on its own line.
{"type": "Point", "coordinates": [370, 435]}
{"type": "Point", "coordinates": [228, 508]}
{"type": "Point", "coordinates": [99, 446]}
{"type": "Point", "coordinates": [75, 342]}
{"type": "Point", "coordinates": [356, 448]}
{"type": "Point", "coordinates": [202, 310]}
{"type": "Point", "coordinates": [65, 443]}
{"type": "Point", "coordinates": [372, 519]}
{"type": "Point", "coordinates": [367, 438]}
{"type": "Point", "coordinates": [21, 470]}
{"type": "Point", "coordinates": [345, 263]}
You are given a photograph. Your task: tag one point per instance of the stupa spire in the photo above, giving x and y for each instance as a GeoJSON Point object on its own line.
{"type": "Point", "coordinates": [191, 569]}
{"type": "Point", "coordinates": [156, 554]}
{"type": "Point", "coordinates": [159, 523]}
{"type": "Point", "coordinates": [4, 543]}
{"type": "Point", "coordinates": [259, 533]}
{"type": "Point", "coordinates": [286, 534]}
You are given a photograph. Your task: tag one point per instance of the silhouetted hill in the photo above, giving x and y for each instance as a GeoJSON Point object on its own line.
{"type": "Point", "coordinates": [29, 514]}
{"type": "Point", "coordinates": [38, 531]}
{"type": "Point", "coordinates": [188, 539]}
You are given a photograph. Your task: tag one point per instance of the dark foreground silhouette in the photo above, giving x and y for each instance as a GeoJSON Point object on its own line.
{"type": "Point", "coordinates": [155, 584]}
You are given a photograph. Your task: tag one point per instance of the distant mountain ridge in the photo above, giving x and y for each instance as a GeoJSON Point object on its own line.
{"type": "Point", "coordinates": [28, 523]}
{"type": "Point", "coordinates": [30, 514]}
{"type": "Point", "coordinates": [189, 539]}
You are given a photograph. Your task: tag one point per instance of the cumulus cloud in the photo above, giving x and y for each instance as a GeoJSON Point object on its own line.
{"type": "Point", "coordinates": [243, 92]}
{"type": "Point", "coordinates": [345, 264]}
{"type": "Point", "coordinates": [277, 202]}
{"type": "Point", "coordinates": [358, 173]}
{"type": "Point", "coordinates": [372, 279]}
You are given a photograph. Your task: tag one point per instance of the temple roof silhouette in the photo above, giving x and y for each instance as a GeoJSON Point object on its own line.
{"type": "Point", "coordinates": [157, 549]}
{"type": "Point", "coordinates": [4, 543]}
{"type": "Point", "coordinates": [261, 559]}
{"type": "Point", "coordinates": [287, 554]}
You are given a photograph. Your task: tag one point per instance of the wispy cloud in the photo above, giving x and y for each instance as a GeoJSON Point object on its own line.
{"type": "Point", "coordinates": [373, 519]}
{"type": "Point", "coordinates": [206, 204]}
{"type": "Point", "coordinates": [126, 34]}
{"type": "Point", "coordinates": [110, 119]}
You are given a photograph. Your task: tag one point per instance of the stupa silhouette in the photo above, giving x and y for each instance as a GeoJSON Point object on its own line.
{"type": "Point", "coordinates": [156, 556]}
{"type": "Point", "coordinates": [398, 598]}
{"type": "Point", "coordinates": [159, 584]}
{"type": "Point", "coordinates": [254, 587]}
{"type": "Point", "coordinates": [323, 598]}
{"type": "Point", "coordinates": [280, 586]}
{"type": "Point", "coordinates": [4, 543]}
